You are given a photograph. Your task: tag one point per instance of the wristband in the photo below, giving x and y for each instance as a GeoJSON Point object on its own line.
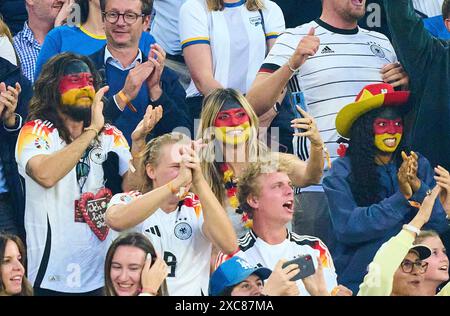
{"type": "Point", "coordinates": [412, 229]}
{"type": "Point", "coordinates": [290, 68]}
{"type": "Point", "coordinates": [125, 99]}
{"type": "Point", "coordinates": [92, 129]}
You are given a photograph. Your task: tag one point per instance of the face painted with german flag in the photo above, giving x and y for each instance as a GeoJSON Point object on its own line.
{"type": "Point", "coordinates": [232, 124]}
{"type": "Point", "coordinates": [77, 85]}
{"type": "Point", "coordinates": [388, 129]}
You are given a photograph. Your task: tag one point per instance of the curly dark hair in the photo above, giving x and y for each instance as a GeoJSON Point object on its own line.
{"type": "Point", "coordinates": [364, 179]}
{"type": "Point", "coordinates": [46, 98]}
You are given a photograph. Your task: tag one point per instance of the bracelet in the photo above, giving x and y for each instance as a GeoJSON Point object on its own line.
{"type": "Point", "coordinates": [180, 193]}
{"type": "Point", "coordinates": [126, 100]}
{"type": "Point", "coordinates": [290, 68]}
{"type": "Point", "coordinates": [411, 229]}
{"type": "Point", "coordinates": [92, 129]}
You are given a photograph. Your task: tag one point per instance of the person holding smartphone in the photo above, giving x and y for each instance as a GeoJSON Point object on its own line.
{"type": "Point", "coordinates": [237, 277]}
{"type": "Point", "coordinates": [265, 193]}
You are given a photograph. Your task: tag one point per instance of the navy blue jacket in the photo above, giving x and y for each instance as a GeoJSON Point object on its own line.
{"type": "Point", "coordinates": [172, 100]}
{"type": "Point", "coordinates": [360, 231]}
{"type": "Point", "coordinates": [11, 74]}
{"type": "Point", "coordinates": [14, 14]}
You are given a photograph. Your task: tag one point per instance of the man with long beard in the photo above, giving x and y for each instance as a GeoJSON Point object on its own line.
{"type": "Point", "coordinates": [61, 153]}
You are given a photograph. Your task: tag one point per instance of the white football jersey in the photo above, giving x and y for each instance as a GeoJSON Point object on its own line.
{"type": "Point", "coordinates": [65, 255]}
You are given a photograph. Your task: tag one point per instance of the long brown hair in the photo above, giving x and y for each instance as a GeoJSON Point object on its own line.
{"type": "Point", "coordinates": [137, 240]}
{"type": "Point", "coordinates": [27, 290]}
{"type": "Point", "coordinates": [46, 97]}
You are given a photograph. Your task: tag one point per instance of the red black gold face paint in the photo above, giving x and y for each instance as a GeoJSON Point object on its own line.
{"type": "Point", "coordinates": [77, 85]}
{"type": "Point", "coordinates": [232, 123]}
{"type": "Point", "coordinates": [388, 130]}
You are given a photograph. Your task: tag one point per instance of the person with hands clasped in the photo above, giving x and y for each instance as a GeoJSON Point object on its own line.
{"type": "Point", "coordinates": [62, 153]}
{"type": "Point", "coordinates": [180, 224]}
{"type": "Point", "coordinates": [137, 79]}
{"type": "Point", "coordinates": [15, 93]}
{"type": "Point", "coordinates": [375, 187]}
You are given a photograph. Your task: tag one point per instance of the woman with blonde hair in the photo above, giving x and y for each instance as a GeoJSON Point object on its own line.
{"type": "Point", "coordinates": [229, 128]}
{"type": "Point", "coordinates": [437, 272]}
{"type": "Point", "coordinates": [224, 43]}
{"type": "Point", "coordinates": [6, 43]}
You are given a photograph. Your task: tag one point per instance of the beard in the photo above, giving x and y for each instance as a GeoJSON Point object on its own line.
{"type": "Point", "coordinates": [77, 113]}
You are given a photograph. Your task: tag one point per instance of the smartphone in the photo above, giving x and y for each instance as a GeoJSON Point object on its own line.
{"type": "Point", "coordinates": [305, 264]}
{"type": "Point", "coordinates": [298, 99]}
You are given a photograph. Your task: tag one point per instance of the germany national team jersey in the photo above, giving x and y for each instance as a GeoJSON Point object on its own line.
{"type": "Point", "coordinates": [259, 253]}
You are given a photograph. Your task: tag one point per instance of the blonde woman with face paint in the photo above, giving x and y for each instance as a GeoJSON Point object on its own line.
{"type": "Point", "coordinates": [229, 128]}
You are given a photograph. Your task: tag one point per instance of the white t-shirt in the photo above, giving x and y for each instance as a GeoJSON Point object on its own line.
{"type": "Point", "coordinates": [347, 60]}
{"type": "Point", "coordinates": [236, 37]}
{"type": "Point", "coordinates": [65, 255]}
{"type": "Point", "coordinates": [165, 25]}
{"type": "Point", "coordinates": [259, 253]}
{"type": "Point", "coordinates": [179, 237]}
{"type": "Point", "coordinates": [7, 50]}
{"type": "Point", "coordinates": [429, 8]}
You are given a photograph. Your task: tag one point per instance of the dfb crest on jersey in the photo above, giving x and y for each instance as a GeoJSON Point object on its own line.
{"type": "Point", "coordinates": [183, 231]}
{"type": "Point", "coordinates": [377, 50]}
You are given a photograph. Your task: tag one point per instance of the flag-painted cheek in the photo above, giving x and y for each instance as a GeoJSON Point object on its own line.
{"type": "Point", "coordinates": [79, 97]}
{"type": "Point", "coordinates": [387, 142]}
{"type": "Point", "coordinates": [233, 135]}
{"type": "Point", "coordinates": [77, 89]}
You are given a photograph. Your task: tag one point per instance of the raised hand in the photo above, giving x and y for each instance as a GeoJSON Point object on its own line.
{"type": "Point", "coordinates": [153, 275]}
{"type": "Point", "coordinates": [413, 165]}
{"type": "Point", "coordinates": [402, 176]}
{"type": "Point", "coordinates": [424, 213]}
{"type": "Point", "coordinates": [146, 125]}
{"type": "Point", "coordinates": [136, 78]}
{"type": "Point", "coordinates": [308, 46]}
{"type": "Point", "coordinates": [308, 124]}
{"type": "Point", "coordinates": [443, 181]}
{"type": "Point", "coordinates": [97, 118]}
{"type": "Point", "coordinates": [63, 14]}
{"type": "Point", "coordinates": [9, 97]}
{"type": "Point", "coordinates": [157, 57]}
{"type": "Point", "coordinates": [395, 75]}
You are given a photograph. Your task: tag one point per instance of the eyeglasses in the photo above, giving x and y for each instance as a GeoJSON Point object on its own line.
{"type": "Point", "coordinates": [408, 266]}
{"type": "Point", "coordinates": [129, 17]}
